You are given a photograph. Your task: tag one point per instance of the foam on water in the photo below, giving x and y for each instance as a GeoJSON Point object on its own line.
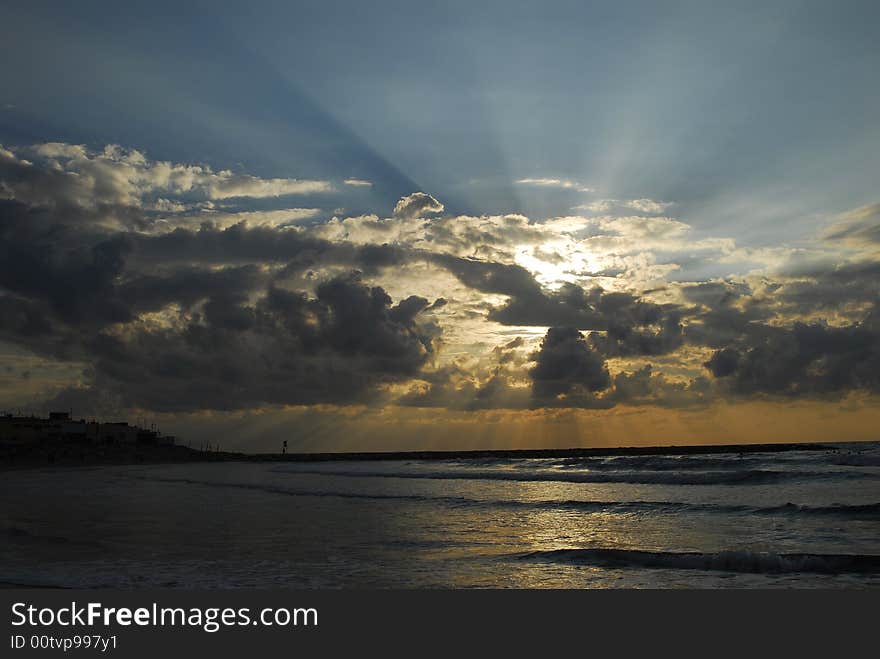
{"type": "Point", "coordinates": [725, 561]}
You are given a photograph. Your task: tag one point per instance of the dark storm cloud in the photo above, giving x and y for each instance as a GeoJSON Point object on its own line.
{"type": "Point", "coordinates": [239, 243]}
{"type": "Point", "coordinates": [734, 316]}
{"type": "Point", "coordinates": [188, 285]}
{"type": "Point", "coordinates": [717, 328]}
{"type": "Point", "coordinates": [74, 283]}
{"type": "Point", "coordinates": [723, 362]}
{"type": "Point", "coordinates": [755, 353]}
{"type": "Point", "coordinates": [566, 364]}
{"type": "Point", "coordinates": [571, 306]}
{"type": "Point", "coordinates": [77, 283]}
{"type": "Point", "coordinates": [832, 288]}
{"type": "Point", "coordinates": [29, 323]}
{"type": "Point", "coordinates": [714, 293]}
{"type": "Point", "coordinates": [644, 386]}
{"type": "Point", "coordinates": [229, 352]}
{"type": "Point", "coordinates": [635, 327]}
{"type": "Point", "coordinates": [490, 277]}
{"type": "Point", "coordinates": [234, 244]}
{"type": "Point", "coordinates": [407, 310]}
{"type": "Point", "coordinates": [286, 348]}
{"type": "Point", "coordinates": [806, 359]}
{"type": "Point", "coordinates": [93, 285]}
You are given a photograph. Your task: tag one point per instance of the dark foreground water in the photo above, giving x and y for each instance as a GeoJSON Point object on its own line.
{"type": "Point", "coordinates": [798, 519]}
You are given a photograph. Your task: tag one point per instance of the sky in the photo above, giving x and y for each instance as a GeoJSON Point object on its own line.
{"type": "Point", "coordinates": [390, 225]}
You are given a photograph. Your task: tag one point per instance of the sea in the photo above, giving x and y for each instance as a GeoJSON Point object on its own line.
{"type": "Point", "coordinates": [798, 519]}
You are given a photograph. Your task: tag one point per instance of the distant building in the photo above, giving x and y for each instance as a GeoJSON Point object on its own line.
{"type": "Point", "coordinates": [60, 426]}
{"type": "Point", "coordinates": [146, 436]}
{"type": "Point", "coordinates": [118, 432]}
{"type": "Point", "coordinates": [23, 428]}
{"type": "Point", "coordinates": [82, 430]}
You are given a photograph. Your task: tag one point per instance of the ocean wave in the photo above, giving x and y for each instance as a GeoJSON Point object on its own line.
{"type": "Point", "coordinates": [869, 511]}
{"type": "Point", "coordinates": [725, 561]}
{"type": "Point", "coordinates": [737, 477]}
{"type": "Point", "coordinates": [720, 462]}
{"type": "Point", "coordinates": [664, 463]}
{"type": "Point", "coordinates": [857, 460]}
{"type": "Point", "coordinates": [272, 489]}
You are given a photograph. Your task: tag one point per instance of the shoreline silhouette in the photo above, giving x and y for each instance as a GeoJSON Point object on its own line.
{"type": "Point", "coordinates": [61, 454]}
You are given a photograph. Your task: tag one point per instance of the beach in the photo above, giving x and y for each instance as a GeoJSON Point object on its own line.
{"type": "Point", "coordinates": [724, 517]}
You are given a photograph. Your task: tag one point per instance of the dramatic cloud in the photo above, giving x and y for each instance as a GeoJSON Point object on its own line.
{"type": "Point", "coordinates": [566, 364]}
{"type": "Point", "coordinates": [224, 349]}
{"type": "Point", "coordinates": [417, 205]}
{"type": "Point", "coordinates": [630, 326]}
{"type": "Point", "coordinates": [285, 347]}
{"type": "Point", "coordinates": [803, 360]}
{"type": "Point", "coordinates": [65, 174]}
{"type": "Point", "coordinates": [156, 292]}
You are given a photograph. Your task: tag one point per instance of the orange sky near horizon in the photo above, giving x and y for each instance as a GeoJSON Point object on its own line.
{"type": "Point", "coordinates": [407, 429]}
